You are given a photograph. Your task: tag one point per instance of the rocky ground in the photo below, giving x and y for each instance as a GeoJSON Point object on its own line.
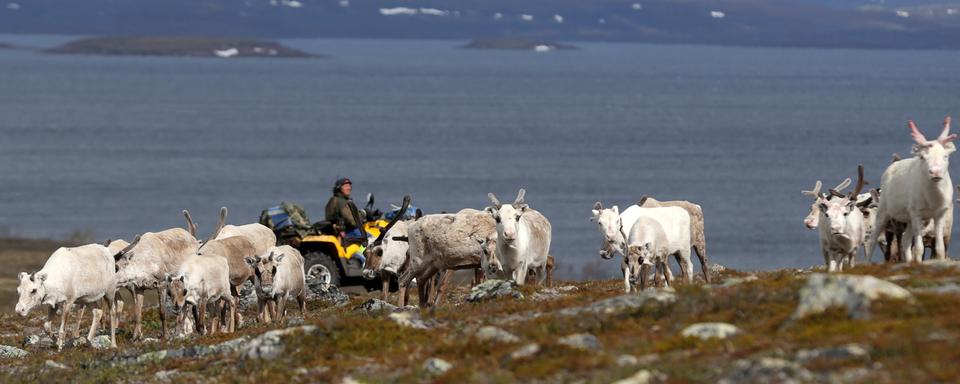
{"type": "Point", "coordinates": [876, 324]}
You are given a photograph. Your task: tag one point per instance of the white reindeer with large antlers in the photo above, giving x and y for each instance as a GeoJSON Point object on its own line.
{"type": "Point", "coordinates": [918, 189]}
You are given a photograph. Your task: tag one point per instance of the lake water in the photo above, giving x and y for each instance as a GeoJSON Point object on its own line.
{"type": "Point", "coordinates": [119, 145]}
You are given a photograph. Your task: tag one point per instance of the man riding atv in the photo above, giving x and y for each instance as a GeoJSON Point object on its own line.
{"type": "Point", "coordinates": [343, 214]}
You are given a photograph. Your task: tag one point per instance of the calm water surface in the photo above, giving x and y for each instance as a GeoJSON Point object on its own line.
{"type": "Point", "coordinates": [119, 145]}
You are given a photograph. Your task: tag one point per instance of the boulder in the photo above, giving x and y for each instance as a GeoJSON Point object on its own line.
{"type": "Point", "coordinates": [767, 370]}
{"type": "Point", "coordinates": [53, 365]}
{"type": "Point", "coordinates": [436, 366]}
{"type": "Point", "coordinates": [101, 342]}
{"type": "Point", "coordinates": [42, 341]}
{"type": "Point", "coordinates": [706, 331]}
{"type": "Point", "coordinates": [491, 334]}
{"type": "Point", "coordinates": [623, 303]}
{"type": "Point", "coordinates": [410, 320]}
{"type": "Point", "coordinates": [7, 352]}
{"type": "Point", "coordinates": [492, 289]}
{"type": "Point", "coordinates": [853, 292]}
{"type": "Point", "coordinates": [737, 281]}
{"type": "Point", "coordinates": [375, 305]}
{"type": "Point", "coordinates": [270, 344]}
{"type": "Point", "coordinates": [627, 360]}
{"type": "Point", "coordinates": [525, 351]}
{"type": "Point", "coordinates": [553, 293]}
{"type": "Point", "coordinates": [842, 352]}
{"type": "Point", "coordinates": [581, 341]}
{"type": "Point", "coordinates": [643, 377]}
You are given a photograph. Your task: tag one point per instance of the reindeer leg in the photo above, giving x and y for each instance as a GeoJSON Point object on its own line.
{"type": "Point", "coordinates": [162, 295]}
{"type": "Point", "coordinates": [138, 314]}
{"type": "Point", "coordinates": [442, 287]}
{"type": "Point", "coordinates": [385, 285]}
{"type": "Point", "coordinates": [76, 332]}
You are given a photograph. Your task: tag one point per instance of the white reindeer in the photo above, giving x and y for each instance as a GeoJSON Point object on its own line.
{"type": "Point", "coordinates": [202, 280]}
{"type": "Point", "coordinates": [86, 274]}
{"type": "Point", "coordinates": [613, 226]}
{"type": "Point", "coordinates": [144, 264]}
{"type": "Point", "coordinates": [918, 189]}
{"type": "Point", "coordinates": [841, 228]}
{"type": "Point", "coordinates": [523, 238]}
{"type": "Point", "coordinates": [279, 276]}
{"type": "Point", "coordinates": [647, 246]}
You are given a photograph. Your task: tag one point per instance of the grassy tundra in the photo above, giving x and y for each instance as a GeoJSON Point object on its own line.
{"type": "Point", "coordinates": [901, 340]}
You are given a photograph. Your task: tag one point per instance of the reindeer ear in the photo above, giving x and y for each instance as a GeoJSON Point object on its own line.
{"type": "Point", "coordinates": [279, 257]}
{"type": "Point", "coordinates": [41, 276]}
{"type": "Point", "coordinates": [616, 210]}
{"type": "Point", "coordinates": [168, 277]}
{"type": "Point", "coordinates": [22, 276]}
{"type": "Point", "coordinates": [597, 206]}
{"type": "Point", "coordinates": [251, 261]}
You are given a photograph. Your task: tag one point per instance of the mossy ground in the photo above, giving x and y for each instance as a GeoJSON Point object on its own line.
{"type": "Point", "coordinates": [906, 342]}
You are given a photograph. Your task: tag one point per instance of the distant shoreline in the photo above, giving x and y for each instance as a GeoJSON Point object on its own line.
{"type": "Point", "coordinates": [175, 46]}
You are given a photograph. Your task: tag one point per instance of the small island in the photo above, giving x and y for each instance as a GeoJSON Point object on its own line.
{"type": "Point", "coordinates": [220, 47]}
{"type": "Point", "coordinates": [517, 44]}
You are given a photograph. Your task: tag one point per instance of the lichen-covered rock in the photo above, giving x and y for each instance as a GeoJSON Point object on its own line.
{"type": "Point", "coordinates": [270, 344]}
{"type": "Point", "coordinates": [410, 320]}
{"type": "Point", "coordinates": [101, 342]}
{"type": "Point", "coordinates": [493, 334]}
{"type": "Point", "coordinates": [627, 360]}
{"type": "Point", "coordinates": [853, 292]}
{"type": "Point", "coordinates": [581, 341]}
{"type": "Point", "coordinates": [623, 303]}
{"type": "Point", "coordinates": [643, 376]}
{"type": "Point", "coordinates": [706, 331]}
{"type": "Point", "coordinates": [737, 281]}
{"type": "Point", "coordinates": [492, 289]}
{"type": "Point", "coordinates": [53, 365]}
{"type": "Point", "coordinates": [375, 305]}
{"type": "Point", "coordinates": [436, 366]}
{"type": "Point", "coordinates": [193, 351]}
{"type": "Point", "coordinates": [553, 293]}
{"type": "Point", "coordinates": [331, 295]}
{"type": "Point", "coordinates": [842, 352]}
{"type": "Point", "coordinates": [7, 352]}
{"type": "Point", "coordinates": [767, 370]}
{"type": "Point", "coordinates": [525, 351]}
{"type": "Point", "coordinates": [42, 341]}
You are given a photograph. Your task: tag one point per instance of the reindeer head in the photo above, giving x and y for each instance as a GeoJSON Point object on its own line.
{"type": "Point", "coordinates": [31, 291]}
{"type": "Point", "coordinates": [176, 286]}
{"type": "Point", "coordinates": [265, 270]}
{"type": "Point", "coordinates": [608, 222]}
{"type": "Point", "coordinates": [835, 213]}
{"type": "Point", "coordinates": [391, 242]}
{"type": "Point", "coordinates": [813, 218]}
{"type": "Point", "coordinates": [507, 216]}
{"type": "Point", "coordinates": [934, 154]}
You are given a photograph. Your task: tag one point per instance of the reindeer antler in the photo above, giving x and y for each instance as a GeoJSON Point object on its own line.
{"type": "Point", "coordinates": [860, 183]}
{"type": "Point", "coordinates": [945, 136]}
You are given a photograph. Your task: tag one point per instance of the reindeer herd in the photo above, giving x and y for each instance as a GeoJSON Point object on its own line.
{"type": "Point", "coordinates": [912, 210]}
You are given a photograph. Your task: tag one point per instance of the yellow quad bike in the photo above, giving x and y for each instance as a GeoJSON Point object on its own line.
{"type": "Point", "coordinates": [339, 259]}
{"type": "Point", "coordinates": [320, 244]}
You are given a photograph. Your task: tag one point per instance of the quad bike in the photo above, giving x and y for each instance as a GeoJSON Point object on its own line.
{"type": "Point", "coordinates": [324, 252]}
